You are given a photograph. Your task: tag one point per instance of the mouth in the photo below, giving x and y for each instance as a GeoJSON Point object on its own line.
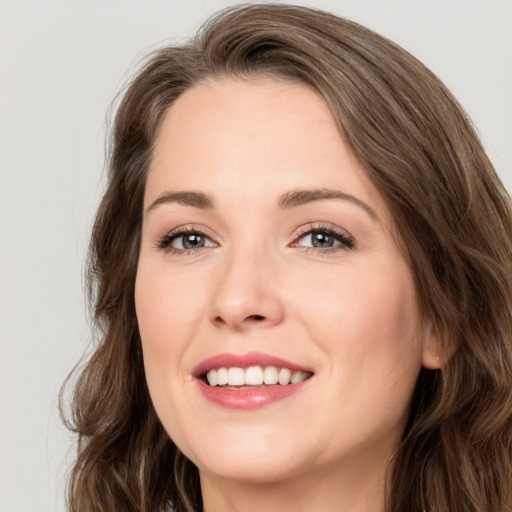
{"type": "Point", "coordinates": [249, 381]}
{"type": "Point", "coordinates": [238, 378]}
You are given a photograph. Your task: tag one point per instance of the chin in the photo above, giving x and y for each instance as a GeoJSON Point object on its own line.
{"type": "Point", "coordinates": [256, 460]}
{"type": "Point", "coordinates": [261, 470]}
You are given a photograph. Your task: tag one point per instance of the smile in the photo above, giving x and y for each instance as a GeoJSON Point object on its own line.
{"type": "Point", "coordinates": [254, 376]}
{"type": "Point", "coordinates": [249, 381]}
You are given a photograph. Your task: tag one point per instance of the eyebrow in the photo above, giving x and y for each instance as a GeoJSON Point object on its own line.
{"type": "Point", "coordinates": [186, 198]}
{"type": "Point", "coordinates": [301, 197]}
{"type": "Point", "coordinates": [292, 199]}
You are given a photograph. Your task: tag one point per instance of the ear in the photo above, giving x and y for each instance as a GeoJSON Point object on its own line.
{"type": "Point", "coordinates": [435, 353]}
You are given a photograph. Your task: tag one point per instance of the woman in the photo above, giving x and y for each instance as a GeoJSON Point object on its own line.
{"type": "Point", "coordinates": [302, 273]}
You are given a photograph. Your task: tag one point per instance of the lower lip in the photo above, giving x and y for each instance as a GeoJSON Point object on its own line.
{"type": "Point", "coordinates": [248, 399]}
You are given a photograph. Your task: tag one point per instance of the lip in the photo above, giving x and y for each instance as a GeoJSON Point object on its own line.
{"type": "Point", "coordinates": [246, 360]}
{"type": "Point", "coordinates": [246, 398]}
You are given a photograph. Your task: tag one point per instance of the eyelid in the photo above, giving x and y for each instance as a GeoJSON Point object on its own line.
{"type": "Point", "coordinates": [163, 241]}
{"type": "Point", "coordinates": [346, 239]}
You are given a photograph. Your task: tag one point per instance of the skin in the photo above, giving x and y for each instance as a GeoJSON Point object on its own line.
{"type": "Point", "coordinates": [348, 313]}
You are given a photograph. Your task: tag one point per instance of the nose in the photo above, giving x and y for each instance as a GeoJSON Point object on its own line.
{"type": "Point", "coordinates": [247, 294]}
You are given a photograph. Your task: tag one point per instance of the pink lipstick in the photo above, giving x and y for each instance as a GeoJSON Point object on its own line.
{"type": "Point", "coordinates": [249, 381]}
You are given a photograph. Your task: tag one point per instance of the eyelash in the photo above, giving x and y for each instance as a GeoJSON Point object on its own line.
{"type": "Point", "coordinates": [346, 240]}
{"type": "Point", "coordinates": [165, 242]}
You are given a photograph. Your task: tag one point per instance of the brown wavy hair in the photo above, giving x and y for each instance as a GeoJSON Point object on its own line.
{"type": "Point", "coordinates": [454, 220]}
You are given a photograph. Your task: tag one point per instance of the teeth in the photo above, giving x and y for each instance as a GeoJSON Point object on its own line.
{"type": "Point", "coordinates": [271, 375]}
{"type": "Point", "coordinates": [236, 377]}
{"type": "Point", "coordinates": [222, 376]}
{"type": "Point", "coordinates": [298, 377]}
{"type": "Point", "coordinates": [284, 376]}
{"type": "Point", "coordinates": [254, 376]}
{"type": "Point", "coordinates": [212, 377]}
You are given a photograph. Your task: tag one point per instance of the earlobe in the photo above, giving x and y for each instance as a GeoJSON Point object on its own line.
{"type": "Point", "coordinates": [435, 354]}
{"type": "Point", "coordinates": [431, 359]}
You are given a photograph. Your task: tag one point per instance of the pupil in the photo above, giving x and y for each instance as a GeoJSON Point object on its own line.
{"type": "Point", "coordinates": [321, 239]}
{"type": "Point", "coordinates": [193, 241]}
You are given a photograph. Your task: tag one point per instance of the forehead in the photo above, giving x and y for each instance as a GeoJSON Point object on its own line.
{"type": "Point", "coordinates": [253, 138]}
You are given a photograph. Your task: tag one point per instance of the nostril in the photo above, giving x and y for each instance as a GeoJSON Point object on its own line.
{"type": "Point", "coordinates": [250, 318]}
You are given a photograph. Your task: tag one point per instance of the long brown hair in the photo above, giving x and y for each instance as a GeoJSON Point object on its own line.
{"type": "Point", "coordinates": [454, 223]}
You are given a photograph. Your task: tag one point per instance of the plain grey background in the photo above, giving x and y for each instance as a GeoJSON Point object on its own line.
{"type": "Point", "coordinates": [61, 63]}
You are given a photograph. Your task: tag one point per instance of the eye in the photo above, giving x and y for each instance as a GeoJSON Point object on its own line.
{"type": "Point", "coordinates": [185, 240]}
{"type": "Point", "coordinates": [190, 241]}
{"type": "Point", "coordinates": [325, 239]}
{"type": "Point", "coordinates": [319, 239]}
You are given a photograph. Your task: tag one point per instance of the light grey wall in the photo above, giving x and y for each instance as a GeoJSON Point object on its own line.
{"type": "Point", "coordinates": [61, 63]}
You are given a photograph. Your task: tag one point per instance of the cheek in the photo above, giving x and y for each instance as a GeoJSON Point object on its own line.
{"type": "Point", "coordinates": [368, 327]}
{"type": "Point", "coordinates": [367, 322]}
{"type": "Point", "coordinates": [154, 328]}
{"type": "Point", "coordinates": [167, 310]}
{"type": "Point", "coordinates": [162, 319]}
{"type": "Point", "coordinates": [167, 319]}
{"type": "Point", "coordinates": [351, 298]}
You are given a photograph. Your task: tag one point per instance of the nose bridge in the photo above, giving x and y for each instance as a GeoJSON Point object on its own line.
{"type": "Point", "coordinates": [245, 294]}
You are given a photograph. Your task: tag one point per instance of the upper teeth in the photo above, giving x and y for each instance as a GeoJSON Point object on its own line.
{"type": "Point", "coordinates": [254, 376]}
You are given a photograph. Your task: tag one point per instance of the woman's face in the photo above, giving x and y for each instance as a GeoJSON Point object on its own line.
{"type": "Point", "coordinates": [267, 253]}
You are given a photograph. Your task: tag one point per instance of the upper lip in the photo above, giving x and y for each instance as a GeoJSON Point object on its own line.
{"type": "Point", "coordinates": [227, 360]}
